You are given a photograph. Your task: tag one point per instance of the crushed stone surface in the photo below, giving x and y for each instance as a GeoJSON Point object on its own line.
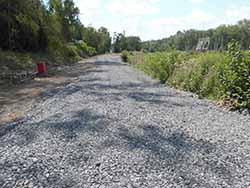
{"type": "Point", "coordinates": [117, 127]}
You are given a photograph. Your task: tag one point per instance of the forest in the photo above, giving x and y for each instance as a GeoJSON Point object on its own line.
{"type": "Point", "coordinates": [51, 30]}
{"type": "Point", "coordinates": [219, 38]}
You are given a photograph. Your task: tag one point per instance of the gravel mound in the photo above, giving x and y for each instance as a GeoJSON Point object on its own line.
{"type": "Point", "coordinates": [117, 127]}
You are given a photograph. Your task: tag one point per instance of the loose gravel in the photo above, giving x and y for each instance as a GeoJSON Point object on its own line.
{"type": "Point", "coordinates": [115, 128]}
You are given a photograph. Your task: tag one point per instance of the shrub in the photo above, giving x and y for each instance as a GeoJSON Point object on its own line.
{"type": "Point", "coordinates": [71, 50]}
{"type": "Point", "coordinates": [200, 75]}
{"type": "Point", "coordinates": [235, 76]}
{"type": "Point", "coordinates": [16, 61]}
{"type": "Point", "coordinates": [60, 53]}
{"type": "Point", "coordinates": [56, 50]}
{"type": "Point", "coordinates": [124, 56]}
{"type": "Point", "coordinates": [160, 65]}
{"type": "Point", "coordinates": [91, 51]}
{"type": "Point", "coordinates": [215, 75]}
{"type": "Point", "coordinates": [136, 58]}
{"type": "Point", "coordinates": [195, 72]}
{"type": "Point", "coordinates": [85, 50]}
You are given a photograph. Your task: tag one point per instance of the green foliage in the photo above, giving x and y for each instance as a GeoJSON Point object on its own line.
{"type": "Point", "coordinates": [160, 65]}
{"type": "Point", "coordinates": [187, 40]}
{"type": "Point", "coordinates": [71, 51]}
{"type": "Point", "coordinates": [214, 75]}
{"type": "Point", "coordinates": [98, 39]}
{"type": "Point", "coordinates": [84, 49]}
{"type": "Point", "coordinates": [135, 58]}
{"type": "Point", "coordinates": [123, 43]}
{"type": "Point", "coordinates": [133, 43]}
{"type": "Point", "coordinates": [52, 27]}
{"type": "Point", "coordinates": [124, 56]}
{"type": "Point", "coordinates": [200, 75]}
{"type": "Point", "coordinates": [15, 61]}
{"type": "Point", "coordinates": [235, 77]}
{"type": "Point", "coordinates": [21, 25]}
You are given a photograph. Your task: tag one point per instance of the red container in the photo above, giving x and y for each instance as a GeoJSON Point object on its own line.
{"type": "Point", "coordinates": [41, 68]}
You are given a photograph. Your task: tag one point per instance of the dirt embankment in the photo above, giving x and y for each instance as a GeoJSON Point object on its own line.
{"type": "Point", "coordinates": [17, 100]}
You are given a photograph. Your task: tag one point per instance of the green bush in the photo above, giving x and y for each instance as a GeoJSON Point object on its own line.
{"type": "Point", "coordinates": [16, 61]}
{"type": "Point", "coordinates": [235, 77]}
{"type": "Point", "coordinates": [56, 50]}
{"type": "Point", "coordinates": [85, 50]}
{"type": "Point", "coordinates": [160, 65]}
{"type": "Point", "coordinates": [61, 53]}
{"type": "Point", "coordinates": [125, 56]}
{"type": "Point", "coordinates": [195, 72]}
{"type": "Point", "coordinates": [200, 75]}
{"type": "Point", "coordinates": [214, 75]}
{"type": "Point", "coordinates": [71, 51]}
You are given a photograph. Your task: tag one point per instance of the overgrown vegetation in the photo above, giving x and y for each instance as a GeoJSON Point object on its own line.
{"type": "Point", "coordinates": [214, 75]}
{"type": "Point", "coordinates": [125, 56]}
{"type": "Point", "coordinates": [235, 77]}
{"type": "Point", "coordinates": [15, 61]}
{"type": "Point", "coordinates": [48, 27]}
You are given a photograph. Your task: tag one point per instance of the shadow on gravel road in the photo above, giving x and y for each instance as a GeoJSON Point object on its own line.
{"type": "Point", "coordinates": [174, 150]}
{"type": "Point", "coordinates": [80, 122]}
{"type": "Point", "coordinates": [163, 149]}
{"type": "Point", "coordinates": [110, 63]}
{"type": "Point", "coordinates": [136, 92]}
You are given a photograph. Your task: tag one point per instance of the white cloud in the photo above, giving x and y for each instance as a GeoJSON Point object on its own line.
{"type": "Point", "coordinates": [89, 9]}
{"type": "Point", "coordinates": [238, 13]}
{"type": "Point", "coordinates": [197, 1]}
{"type": "Point", "coordinates": [129, 15]}
{"type": "Point", "coordinates": [198, 16]}
{"type": "Point", "coordinates": [197, 19]}
{"type": "Point", "coordinates": [130, 26]}
{"type": "Point", "coordinates": [140, 17]}
{"type": "Point", "coordinates": [133, 7]}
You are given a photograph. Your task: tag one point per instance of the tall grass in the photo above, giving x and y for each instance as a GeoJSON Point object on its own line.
{"type": "Point", "coordinates": [213, 75]}
{"type": "Point", "coordinates": [160, 65]}
{"type": "Point", "coordinates": [200, 75]}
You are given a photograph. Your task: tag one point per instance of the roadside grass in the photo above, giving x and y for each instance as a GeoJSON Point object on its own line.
{"type": "Point", "coordinates": [220, 76]}
{"type": "Point", "coordinates": [200, 74]}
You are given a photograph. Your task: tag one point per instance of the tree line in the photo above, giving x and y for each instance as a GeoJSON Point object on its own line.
{"type": "Point", "coordinates": [129, 43]}
{"type": "Point", "coordinates": [219, 38]}
{"type": "Point", "coordinates": [52, 26]}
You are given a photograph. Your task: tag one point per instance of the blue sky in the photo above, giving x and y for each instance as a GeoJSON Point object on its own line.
{"type": "Point", "coordinates": [155, 19]}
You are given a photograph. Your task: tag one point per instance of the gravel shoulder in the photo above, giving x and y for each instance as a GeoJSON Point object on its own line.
{"type": "Point", "coordinates": [16, 100]}
{"type": "Point", "coordinates": [116, 127]}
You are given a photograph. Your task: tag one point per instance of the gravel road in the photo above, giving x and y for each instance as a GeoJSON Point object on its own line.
{"type": "Point", "coordinates": [116, 127]}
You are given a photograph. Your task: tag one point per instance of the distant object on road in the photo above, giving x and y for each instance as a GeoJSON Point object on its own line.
{"type": "Point", "coordinates": [203, 44]}
{"type": "Point", "coordinates": [41, 68]}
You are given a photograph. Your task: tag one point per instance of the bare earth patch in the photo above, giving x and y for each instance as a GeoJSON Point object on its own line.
{"type": "Point", "coordinates": [17, 100]}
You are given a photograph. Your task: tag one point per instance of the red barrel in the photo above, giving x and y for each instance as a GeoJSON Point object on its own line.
{"type": "Point", "coordinates": [41, 68]}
